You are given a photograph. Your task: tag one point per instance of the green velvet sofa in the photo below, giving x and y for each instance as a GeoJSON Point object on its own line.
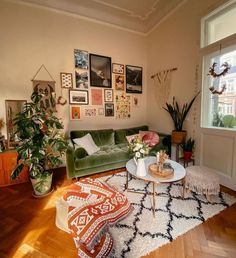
{"type": "Point", "coordinates": [113, 151]}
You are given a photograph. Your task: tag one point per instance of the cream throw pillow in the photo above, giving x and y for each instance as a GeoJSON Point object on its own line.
{"type": "Point", "coordinates": [87, 143]}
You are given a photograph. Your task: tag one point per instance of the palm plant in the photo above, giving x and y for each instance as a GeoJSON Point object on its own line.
{"type": "Point", "coordinates": [41, 144]}
{"type": "Point", "coordinates": [178, 114]}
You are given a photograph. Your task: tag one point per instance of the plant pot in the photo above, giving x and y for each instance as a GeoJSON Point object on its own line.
{"type": "Point", "coordinates": [187, 155]}
{"type": "Point", "coordinates": [178, 137]}
{"type": "Point", "coordinates": [42, 185]}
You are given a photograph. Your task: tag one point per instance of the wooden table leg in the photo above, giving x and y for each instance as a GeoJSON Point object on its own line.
{"type": "Point", "coordinates": [153, 196]}
{"type": "Point", "coordinates": [127, 180]}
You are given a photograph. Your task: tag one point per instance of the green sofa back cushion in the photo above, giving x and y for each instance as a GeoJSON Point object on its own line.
{"type": "Point", "coordinates": [120, 134]}
{"type": "Point", "coordinates": [100, 137]}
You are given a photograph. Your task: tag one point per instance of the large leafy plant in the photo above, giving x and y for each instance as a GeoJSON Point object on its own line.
{"type": "Point", "coordinates": [179, 114]}
{"type": "Point", "coordinates": [41, 145]}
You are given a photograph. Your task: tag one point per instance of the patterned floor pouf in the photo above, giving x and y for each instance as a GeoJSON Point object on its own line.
{"type": "Point", "coordinates": [90, 207]}
{"type": "Point", "coordinates": [202, 180]}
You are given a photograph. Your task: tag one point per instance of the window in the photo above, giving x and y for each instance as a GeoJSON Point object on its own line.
{"type": "Point", "coordinates": [219, 93]}
{"type": "Point", "coordinates": [219, 24]}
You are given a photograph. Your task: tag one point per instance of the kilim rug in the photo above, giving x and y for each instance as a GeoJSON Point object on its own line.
{"type": "Point", "coordinates": [140, 233]}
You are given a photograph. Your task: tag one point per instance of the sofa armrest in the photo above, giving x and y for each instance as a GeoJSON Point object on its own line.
{"type": "Point", "coordinates": [70, 165]}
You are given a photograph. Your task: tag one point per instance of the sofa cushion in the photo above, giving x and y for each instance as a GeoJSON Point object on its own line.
{"type": "Point", "coordinates": [150, 138]}
{"type": "Point", "coordinates": [100, 137]}
{"type": "Point", "coordinates": [87, 143]}
{"type": "Point", "coordinates": [106, 155]}
{"type": "Point", "coordinates": [120, 134]}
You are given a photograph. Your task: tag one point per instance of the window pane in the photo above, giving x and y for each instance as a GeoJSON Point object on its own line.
{"type": "Point", "coordinates": [219, 110]}
{"type": "Point", "coordinates": [220, 25]}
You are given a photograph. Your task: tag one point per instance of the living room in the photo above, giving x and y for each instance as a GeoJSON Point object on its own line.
{"type": "Point", "coordinates": [36, 34]}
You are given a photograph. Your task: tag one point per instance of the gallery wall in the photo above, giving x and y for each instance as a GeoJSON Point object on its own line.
{"type": "Point", "coordinates": [33, 36]}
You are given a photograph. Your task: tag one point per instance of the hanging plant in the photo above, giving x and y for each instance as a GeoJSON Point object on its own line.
{"type": "Point", "coordinates": [213, 73]}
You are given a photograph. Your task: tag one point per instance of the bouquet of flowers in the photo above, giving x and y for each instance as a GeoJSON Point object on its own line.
{"type": "Point", "coordinates": [138, 147]}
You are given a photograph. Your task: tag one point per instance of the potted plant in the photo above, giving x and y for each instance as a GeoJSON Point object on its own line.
{"type": "Point", "coordinates": [41, 144]}
{"type": "Point", "coordinates": [188, 148]}
{"type": "Point", "coordinates": [178, 116]}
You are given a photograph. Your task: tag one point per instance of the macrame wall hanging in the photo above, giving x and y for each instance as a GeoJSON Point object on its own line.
{"type": "Point", "coordinates": [226, 67]}
{"type": "Point", "coordinates": [162, 82]}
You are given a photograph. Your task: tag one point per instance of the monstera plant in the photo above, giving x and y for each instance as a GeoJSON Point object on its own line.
{"type": "Point", "coordinates": [41, 144]}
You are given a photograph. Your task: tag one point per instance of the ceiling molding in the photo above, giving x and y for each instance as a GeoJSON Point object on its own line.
{"type": "Point", "coordinates": [141, 19]}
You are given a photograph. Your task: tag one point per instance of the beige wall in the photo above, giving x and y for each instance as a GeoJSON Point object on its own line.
{"type": "Point", "coordinates": [176, 43]}
{"type": "Point", "coordinates": [31, 36]}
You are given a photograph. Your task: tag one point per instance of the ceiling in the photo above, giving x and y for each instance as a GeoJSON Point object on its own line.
{"type": "Point", "coordinates": [137, 15]}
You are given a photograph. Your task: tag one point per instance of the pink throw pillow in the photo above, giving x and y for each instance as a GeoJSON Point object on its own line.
{"type": "Point", "coordinates": [150, 138]}
{"type": "Point", "coordinates": [129, 138]}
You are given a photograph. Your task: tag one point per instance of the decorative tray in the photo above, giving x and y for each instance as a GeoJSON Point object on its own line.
{"type": "Point", "coordinates": [166, 173]}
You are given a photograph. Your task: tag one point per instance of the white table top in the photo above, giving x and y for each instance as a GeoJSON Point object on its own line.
{"type": "Point", "coordinates": [179, 170]}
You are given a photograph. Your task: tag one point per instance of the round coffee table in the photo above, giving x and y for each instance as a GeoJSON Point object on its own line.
{"type": "Point", "coordinates": [179, 174]}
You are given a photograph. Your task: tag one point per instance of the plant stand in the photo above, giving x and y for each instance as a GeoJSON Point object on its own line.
{"type": "Point", "coordinates": [186, 161]}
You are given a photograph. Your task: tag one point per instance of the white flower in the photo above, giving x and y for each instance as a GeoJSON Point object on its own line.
{"type": "Point", "coordinates": [142, 151]}
{"type": "Point", "coordinates": [137, 155]}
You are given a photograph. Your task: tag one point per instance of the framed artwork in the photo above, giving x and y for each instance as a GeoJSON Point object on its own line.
{"type": "Point", "coordinates": [96, 95]}
{"type": "Point", "coordinates": [136, 100]}
{"type": "Point", "coordinates": [66, 80]}
{"type": "Point", "coordinates": [78, 97]}
{"type": "Point", "coordinates": [109, 109]}
{"type": "Point", "coordinates": [81, 59]}
{"type": "Point", "coordinates": [48, 89]}
{"type": "Point", "coordinates": [118, 68]}
{"type": "Point", "coordinates": [100, 71]}
{"type": "Point", "coordinates": [122, 106]}
{"type": "Point", "coordinates": [134, 78]}
{"type": "Point", "coordinates": [90, 112]}
{"type": "Point", "coordinates": [108, 95]}
{"type": "Point", "coordinates": [81, 79]}
{"type": "Point", "coordinates": [75, 113]}
{"type": "Point", "coordinates": [119, 82]}
{"type": "Point", "coordinates": [101, 111]}
{"type": "Point", "coordinates": [13, 107]}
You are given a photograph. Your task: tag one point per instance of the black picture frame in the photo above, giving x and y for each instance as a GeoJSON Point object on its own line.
{"type": "Point", "coordinates": [100, 71]}
{"type": "Point", "coordinates": [134, 79]}
{"type": "Point", "coordinates": [78, 97]}
{"type": "Point", "coordinates": [109, 109]}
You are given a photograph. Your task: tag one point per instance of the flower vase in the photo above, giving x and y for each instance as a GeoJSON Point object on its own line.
{"type": "Point", "coordinates": [141, 168]}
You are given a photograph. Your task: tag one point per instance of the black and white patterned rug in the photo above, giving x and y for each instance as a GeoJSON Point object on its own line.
{"type": "Point", "coordinates": [140, 233]}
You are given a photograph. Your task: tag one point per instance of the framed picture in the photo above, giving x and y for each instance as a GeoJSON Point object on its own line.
{"type": "Point", "coordinates": [100, 71]}
{"type": "Point", "coordinates": [119, 82]}
{"type": "Point", "coordinates": [109, 109]}
{"type": "Point", "coordinates": [90, 112]}
{"type": "Point", "coordinates": [118, 68]}
{"type": "Point", "coordinates": [66, 80]}
{"type": "Point", "coordinates": [81, 79]}
{"type": "Point", "coordinates": [96, 95]}
{"type": "Point", "coordinates": [134, 78]}
{"type": "Point", "coordinates": [108, 95]}
{"type": "Point", "coordinates": [136, 100]}
{"type": "Point", "coordinates": [101, 111]}
{"type": "Point", "coordinates": [81, 59]}
{"type": "Point", "coordinates": [75, 113]}
{"type": "Point", "coordinates": [2, 144]}
{"type": "Point", "coordinates": [78, 97]}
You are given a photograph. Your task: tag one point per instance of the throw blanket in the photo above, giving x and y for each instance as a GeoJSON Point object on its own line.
{"type": "Point", "coordinates": [93, 207]}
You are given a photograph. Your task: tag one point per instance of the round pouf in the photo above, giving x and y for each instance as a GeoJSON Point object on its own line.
{"type": "Point", "coordinates": [202, 180]}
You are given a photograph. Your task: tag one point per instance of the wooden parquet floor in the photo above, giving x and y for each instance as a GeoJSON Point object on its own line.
{"type": "Point", "coordinates": [27, 228]}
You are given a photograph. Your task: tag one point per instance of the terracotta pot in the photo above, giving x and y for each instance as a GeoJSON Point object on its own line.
{"type": "Point", "coordinates": [178, 137]}
{"type": "Point", "coordinates": [187, 155]}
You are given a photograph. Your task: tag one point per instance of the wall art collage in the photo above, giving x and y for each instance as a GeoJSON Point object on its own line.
{"type": "Point", "coordinates": [101, 88]}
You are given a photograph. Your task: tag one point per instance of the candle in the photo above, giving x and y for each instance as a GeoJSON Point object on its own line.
{"type": "Point", "coordinates": [158, 157]}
